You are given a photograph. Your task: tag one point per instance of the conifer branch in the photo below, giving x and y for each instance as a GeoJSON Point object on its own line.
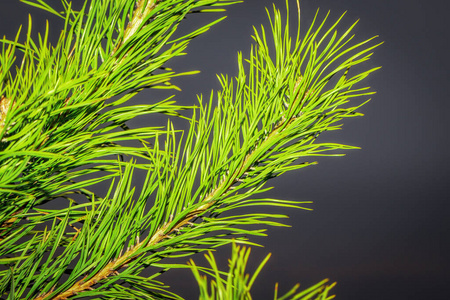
{"type": "Point", "coordinates": [266, 122]}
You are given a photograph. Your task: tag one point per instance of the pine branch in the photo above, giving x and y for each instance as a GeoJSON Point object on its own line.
{"type": "Point", "coordinates": [266, 122]}
{"type": "Point", "coordinates": [228, 165]}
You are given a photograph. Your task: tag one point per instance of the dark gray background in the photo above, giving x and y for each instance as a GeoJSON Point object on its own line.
{"type": "Point", "coordinates": [380, 221]}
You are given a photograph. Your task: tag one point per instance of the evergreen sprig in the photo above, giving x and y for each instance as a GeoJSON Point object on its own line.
{"type": "Point", "coordinates": [236, 283]}
{"type": "Point", "coordinates": [63, 127]}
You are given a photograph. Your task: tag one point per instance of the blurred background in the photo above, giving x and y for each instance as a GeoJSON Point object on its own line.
{"type": "Point", "coordinates": [380, 226]}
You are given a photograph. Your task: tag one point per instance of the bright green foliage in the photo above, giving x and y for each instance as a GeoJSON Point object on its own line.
{"type": "Point", "coordinates": [63, 129]}
{"type": "Point", "coordinates": [236, 283]}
